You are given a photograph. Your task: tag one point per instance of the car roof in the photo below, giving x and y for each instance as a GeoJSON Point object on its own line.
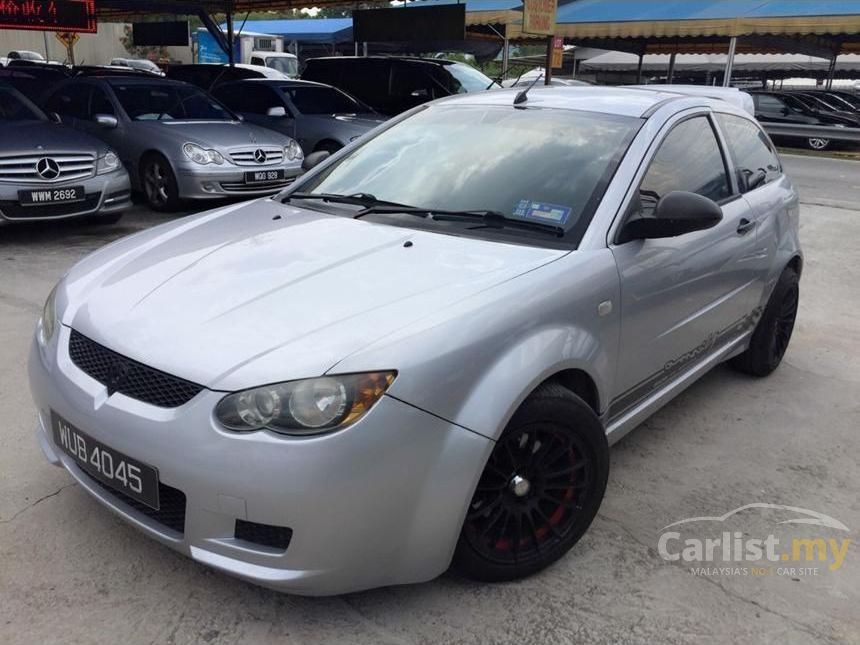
{"type": "Point", "coordinates": [139, 80]}
{"type": "Point", "coordinates": [731, 95]}
{"type": "Point", "coordinates": [286, 82]}
{"type": "Point", "coordinates": [621, 101]}
{"type": "Point", "coordinates": [408, 59]}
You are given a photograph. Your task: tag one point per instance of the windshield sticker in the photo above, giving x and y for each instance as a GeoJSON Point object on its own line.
{"type": "Point", "coordinates": [542, 212]}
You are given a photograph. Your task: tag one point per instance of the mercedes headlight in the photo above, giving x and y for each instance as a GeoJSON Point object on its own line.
{"type": "Point", "coordinates": [306, 407]}
{"type": "Point", "coordinates": [293, 151]}
{"type": "Point", "coordinates": [48, 322]}
{"type": "Point", "coordinates": [108, 163]}
{"type": "Point", "coordinates": [201, 155]}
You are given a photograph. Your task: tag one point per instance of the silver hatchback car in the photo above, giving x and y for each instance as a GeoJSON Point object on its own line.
{"type": "Point", "coordinates": [421, 352]}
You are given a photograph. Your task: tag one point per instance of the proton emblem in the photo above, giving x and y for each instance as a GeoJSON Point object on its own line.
{"type": "Point", "coordinates": [48, 168]}
{"type": "Point", "coordinates": [260, 156]}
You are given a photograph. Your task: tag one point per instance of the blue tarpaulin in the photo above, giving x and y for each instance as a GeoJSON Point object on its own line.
{"type": "Point", "coordinates": [311, 30]}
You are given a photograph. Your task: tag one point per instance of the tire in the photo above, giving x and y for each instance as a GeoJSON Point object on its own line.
{"type": "Point", "coordinates": [817, 143]}
{"type": "Point", "coordinates": [557, 446]}
{"type": "Point", "coordinates": [773, 331]}
{"type": "Point", "coordinates": [159, 183]}
{"type": "Point", "coordinates": [329, 146]}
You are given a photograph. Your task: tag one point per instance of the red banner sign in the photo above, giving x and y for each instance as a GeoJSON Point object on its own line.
{"type": "Point", "coordinates": [49, 15]}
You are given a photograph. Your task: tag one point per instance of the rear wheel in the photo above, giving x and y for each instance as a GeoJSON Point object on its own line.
{"type": "Point", "coordinates": [539, 491]}
{"type": "Point", "coordinates": [773, 331]}
{"type": "Point", "coordinates": [159, 183]}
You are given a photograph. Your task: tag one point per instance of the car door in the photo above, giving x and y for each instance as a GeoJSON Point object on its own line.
{"type": "Point", "coordinates": [682, 297]}
{"type": "Point", "coordinates": [764, 186]}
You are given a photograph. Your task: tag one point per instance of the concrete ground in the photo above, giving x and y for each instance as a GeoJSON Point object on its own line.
{"type": "Point", "coordinates": [72, 573]}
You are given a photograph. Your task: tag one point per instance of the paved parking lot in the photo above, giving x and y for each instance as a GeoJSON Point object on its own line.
{"type": "Point", "coordinates": [72, 573]}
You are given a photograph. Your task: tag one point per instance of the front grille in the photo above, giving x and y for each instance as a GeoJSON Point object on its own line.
{"type": "Point", "coordinates": [129, 377]}
{"type": "Point", "coordinates": [22, 168]}
{"type": "Point", "coordinates": [14, 210]}
{"type": "Point", "coordinates": [246, 156]}
{"type": "Point", "coordinates": [236, 187]}
{"type": "Point", "coordinates": [171, 501]}
{"type": "Point", "coordinates": [275, 537]}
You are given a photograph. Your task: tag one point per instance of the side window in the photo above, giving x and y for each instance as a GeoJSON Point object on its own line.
{"type": "Point", "coordinates": [689, 159]}
{"type": "Point", "coordinates": [248, 98]}
{"type": "Point", "coordinates": [413, 81]}
{"type": "Point", "coordinates": [768, 103]}
{"type": "Point", "coordinates": [751, 151]}
{"type": "Point", "coordinates": [100, 103]}
{"type": "Point", "coordinates": [256, 60]}
{"type": "Point", "coordinates": [70, 101]}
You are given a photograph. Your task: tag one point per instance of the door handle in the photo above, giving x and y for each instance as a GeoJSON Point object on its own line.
{"type": "Point", "coordinates": [745, 226]}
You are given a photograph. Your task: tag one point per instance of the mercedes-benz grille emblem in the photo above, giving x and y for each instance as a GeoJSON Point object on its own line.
{"type": "Point", "coordinates": [260, 156]}
{"type": "Point", "coordinates": [47, 168]}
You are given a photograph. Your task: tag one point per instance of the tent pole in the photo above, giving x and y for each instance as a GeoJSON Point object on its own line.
{"type": "Point", "coordinates": [730, 61]}
{"type": "Point", "coordinates": [505, 56]}
{"type": "Point", "coordinates": [639, 69]}
{"type": "Point", "coordinates": [831, 71]}
{"type": "Point", "coordinates": [231, 53]}
{"type": "Point", "coordinates": [671, 75]}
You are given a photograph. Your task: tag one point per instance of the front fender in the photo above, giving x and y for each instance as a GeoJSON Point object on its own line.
{"type": "Point", "coordinates": [474, 362]}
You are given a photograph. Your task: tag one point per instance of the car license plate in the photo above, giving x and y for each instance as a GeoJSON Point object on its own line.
{"type": "Point", "coordinates": [48, 196]}
{"type": "Point", "coordinates": [264, 176]}
{"type": "Point", "coordinates": [109, 466]}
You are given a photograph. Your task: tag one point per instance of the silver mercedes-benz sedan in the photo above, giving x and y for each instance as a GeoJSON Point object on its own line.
{"type": "Point", "coordinates": [50, 172]}
{"type": "Point", "coordinates": [177, 141]}
{"type": "Point", "coordinates": [420, 353]}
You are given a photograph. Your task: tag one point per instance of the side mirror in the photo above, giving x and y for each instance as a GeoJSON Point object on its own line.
{"type": "Point", "coordinates": [314, 159]}
{"type": "Point", "coordinates": [277, 111]}
{"type": "Point", "coordinates": [677, 213]}
{"type": "Point", "coordinates": [107, 121]}
{"type": "Point", "coordinates": [54, 117]}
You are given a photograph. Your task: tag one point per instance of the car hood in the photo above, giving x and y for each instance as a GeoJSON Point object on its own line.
{"type": "Point", "coordinates": [27, 136]}
{"type": "Point", "coordinates": [264, 292]}
{"type": "Point", "coordinates": [222, 135]}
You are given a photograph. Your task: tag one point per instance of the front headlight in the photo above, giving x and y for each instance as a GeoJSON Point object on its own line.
{"type": "Point", "coordinates": [108, 163]}
{"type": "Point", "coordinates": [48, 321]}
{"type": "Point", "coordinates": [201, 155]}
{"type": "Point", "coordinates": [293, 151]}
{"type": "Point", "coordinates": [306, 407]}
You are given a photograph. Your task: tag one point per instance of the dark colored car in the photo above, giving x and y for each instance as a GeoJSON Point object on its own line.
{"type": "Point", "coordinates": [393, 85]}
{"type": "Point", "coordinates": [823, 104]}
{"type": "Point", "coordinates": [208, 76]}
{"type": "Point", "coordinates": [319, 117]}
{"type": "Point", "coordinates": [776, 107]}
{"type": "Point", "coordinates": [34, 80]}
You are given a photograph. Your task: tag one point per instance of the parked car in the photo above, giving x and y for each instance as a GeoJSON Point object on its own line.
{"type": "Point", "coordinates": [773, 107]}
{"type": "Point", "coordinates": [51, 172]}
{"type": "Point", "coordinates": [207, 76]}
{"type": "Point", "coordinates": [424, 347]}
{"type": "Point", "coordinates": [393, 85]}
{"type": "Point", "coordinates": [25, 55]}
{"type": "Point", "coordinates": [177, 141]}
{"type": "Point", "coordinates": [33, 82]}
{"type": "Point", "coordinates": [828, 106]}
{"type": "Point", "coordinates": [319, 117]}
{"type": "Point", "coordinates": [141, 64]}
{"type": "Point", "coordinates": [530, 81]}
{"type": "Point", "coordinates": [844, 101]}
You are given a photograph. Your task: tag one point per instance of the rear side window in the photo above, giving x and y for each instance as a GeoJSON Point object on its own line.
{"type": "Point", "coordinates": [71, 101]}
{"type": "Point", "coordinates": [248, 97]}
{"type": "Point", "coordinates": [689, 159]}
{"type": "Point", "coordinates": [751, 151]}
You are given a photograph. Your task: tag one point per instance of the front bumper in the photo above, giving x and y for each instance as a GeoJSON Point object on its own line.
{"type": "Point", "coordinates": [380, 503]}
{"type": "Point", "coordinates": [105, 194]}
{"type": "Point", "coordinates": [213, 182]}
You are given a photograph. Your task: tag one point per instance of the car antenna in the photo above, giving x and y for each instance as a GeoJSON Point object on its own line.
{"type": "Point", "coordinates": [523, 96]}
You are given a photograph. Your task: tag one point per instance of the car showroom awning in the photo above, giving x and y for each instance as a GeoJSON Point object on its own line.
{"type": "Point", "coordinates": [312, 30]}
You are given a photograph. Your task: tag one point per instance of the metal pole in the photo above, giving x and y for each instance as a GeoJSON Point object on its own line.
{"type": "Point", "coordinates": [231, 54]}
{"type": "Point", "coordinates": [639, 70]}
{"type": "Point", "coordinates": [671, 74]}
{"type": "Point", "coordinates": [356, 48]}
{"type": "Point", "coordinates": [730, 61]}
{"type": "Point", "coordinates": [547, 77]}
{"type": "Point", "coordinates": [45, 38]}
{"type": "Point", "coordinates": [831, 71]}
{"type": "Point", "coordinates": [505, 56]}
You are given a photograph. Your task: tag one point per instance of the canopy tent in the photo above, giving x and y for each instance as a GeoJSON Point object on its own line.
{"type": "Point", "coordinates": [795, 64]}
{"type": "Point", "coordinates": [482, 12]}
{"type": "Point", "coordinates": [311, 30]}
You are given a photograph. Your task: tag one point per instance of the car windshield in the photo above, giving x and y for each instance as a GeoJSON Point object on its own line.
{"type": "Point", "coordinates": [540, 166]}
{"type": "Point", "coordinates": [468, 78]}
{"type": "Point", "coordinates": [288, 66]}
{"type": "Point", "coordinates": [14, 107]}
{"type": "Point", "coordinates": [321, 100]}
{"type": "Point", "coordinates": [157, 101]}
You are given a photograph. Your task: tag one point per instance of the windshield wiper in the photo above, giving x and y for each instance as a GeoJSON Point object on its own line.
{"type": "Point", "coordinates": [356, 199]}
{"type": "Point", "coordinates": [488, 218]}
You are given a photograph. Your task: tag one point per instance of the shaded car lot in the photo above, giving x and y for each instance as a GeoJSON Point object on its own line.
{"type": "Point", "coordinates": [68, 565]}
